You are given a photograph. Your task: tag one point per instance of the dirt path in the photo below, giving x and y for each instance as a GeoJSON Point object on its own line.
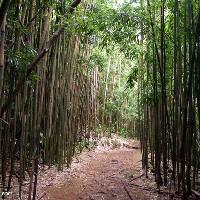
{"type": "Point", "coordinates": [102, 175]}
{"type": "Point", "coordinates": [101, 178]}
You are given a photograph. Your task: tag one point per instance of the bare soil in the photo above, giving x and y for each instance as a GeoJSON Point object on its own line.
{"type": "Point", "coordinates": [112, 171]}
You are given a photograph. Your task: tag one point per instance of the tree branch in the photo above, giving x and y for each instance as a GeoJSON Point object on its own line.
{"type": "Point", "coordinates": [31, 67]}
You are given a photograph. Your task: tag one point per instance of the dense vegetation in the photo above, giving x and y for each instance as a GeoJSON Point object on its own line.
{"type": "Point", "coordinates": [71, 70]}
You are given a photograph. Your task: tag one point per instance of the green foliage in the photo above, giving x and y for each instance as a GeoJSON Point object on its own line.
{"type": "Point", "coordinates": [132, 77]}
{"type": "Point", "coordinates": [34, 77]}
{"type": "Point", "coordinates": [98, 59]}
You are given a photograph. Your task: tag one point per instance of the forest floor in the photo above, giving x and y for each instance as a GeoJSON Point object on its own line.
{"type": "Point", "coordinates": [111, 171]}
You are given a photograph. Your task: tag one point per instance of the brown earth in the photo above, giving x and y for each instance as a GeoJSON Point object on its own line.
{"type": "Point", "coordinates": [104, 174]}
{"type": "Point", "coordinates": [100, 178]}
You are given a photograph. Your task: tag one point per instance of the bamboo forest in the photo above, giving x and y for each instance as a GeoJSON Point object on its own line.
{"type": "Point", "coordinates": [99, 99]}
